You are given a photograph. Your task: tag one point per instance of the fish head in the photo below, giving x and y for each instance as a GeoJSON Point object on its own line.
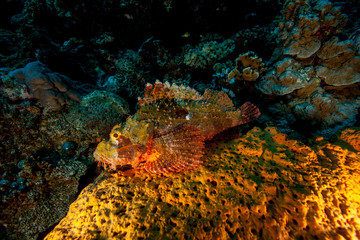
{"type": "Point", "coordinates": [118, 151]}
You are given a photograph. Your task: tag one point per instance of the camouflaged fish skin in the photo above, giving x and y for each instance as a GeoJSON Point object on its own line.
{"type": "Point", "coordinates": [168, 131]}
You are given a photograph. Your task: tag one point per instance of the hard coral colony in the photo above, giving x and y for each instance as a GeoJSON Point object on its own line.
{"type": "Point", "coordinates": [167, 133]}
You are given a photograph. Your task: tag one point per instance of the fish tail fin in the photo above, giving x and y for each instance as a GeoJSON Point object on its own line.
{"type": "Point", "coordinates": [249, 112]}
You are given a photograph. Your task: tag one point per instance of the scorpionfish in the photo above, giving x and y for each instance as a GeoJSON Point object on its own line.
{"type": "Point", "coordinates": [168, 131]}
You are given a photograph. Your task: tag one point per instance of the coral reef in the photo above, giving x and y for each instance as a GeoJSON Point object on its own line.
{"type": "Point", "coordinates": [338, 65]}
{"type": "Point", "coordinates": [260, 38]}
{"type": "Point", "coordinates": [248, 69]}
{"type": "Point", "coordinates": [44, 156]}
{"type": "Point", "coordinates": [286, 76]}
{"type": "Point", "coordinates": [313, 68]}
{"type": "Point", "coordinates": [307, 37]}
{"type": "Point", "coordinates": [51, 89]}
{"type": "Point", "coordinates": [37, 183]}
{"type": "Point", "coordinates": [75, 38]}
{"type": "Point", "coordinates": [206, 53]}
{"type": "Point", "coordinates": [259, 186]}
{"type": "Point", "coordinates": [7, 46]}
{"type": "Point", "coordinates": [307, 24]}
{"type": "Point", "coordinates": [355, 38]}
{"type": "Point", "coordinates": [11, 88]}
{"type": "Point", "coordinates": [40, 194]}
{"type": "Point", "coordinates": [128, 76]}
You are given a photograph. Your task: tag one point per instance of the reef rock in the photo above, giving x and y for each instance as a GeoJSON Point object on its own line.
{"type": "Point", "coordinates": [259, 186]}
{"type": "Point", "coordinates": [52, 89]}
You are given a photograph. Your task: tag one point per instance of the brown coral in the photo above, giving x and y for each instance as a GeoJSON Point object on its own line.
{"type": "Point", "coordinates": [339, 65]}
{"type": "Point", "coordinates": [248, 67]}
{"type": "Point", "coordinates": [301, 40]}
{"type": "Point", "coordinates": [52, 89]}
{"type": "Point", "coordinates": [313, 66]}
{"type": "Point", "coordinates": [287, 76]}
{"type": "Point", "coordinates": [306, 39]}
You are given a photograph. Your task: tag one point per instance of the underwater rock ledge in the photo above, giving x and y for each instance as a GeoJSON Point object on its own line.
{"type": "Point", "coordinates": [259, 186]}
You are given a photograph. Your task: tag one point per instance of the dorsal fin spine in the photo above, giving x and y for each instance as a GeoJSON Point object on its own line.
{"type": "Point", "coordinates": [162, 91]}
{"type": "Point", "coordinates": [219, 98]}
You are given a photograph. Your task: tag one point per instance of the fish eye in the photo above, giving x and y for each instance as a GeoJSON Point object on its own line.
{"type": "Point", "coordinates": [115, 138]}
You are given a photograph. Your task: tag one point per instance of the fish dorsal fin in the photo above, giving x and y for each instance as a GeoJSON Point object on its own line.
{"type": "Point", "coordinates": [219, 98]}
{"type": "Point", "coordinates": [164, 91]}
{"type": "Point", "coordinates": [177, 149]}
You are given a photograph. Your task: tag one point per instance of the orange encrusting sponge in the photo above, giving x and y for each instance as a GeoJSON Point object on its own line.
{"type": "Point", "coordinates": [259, 186]}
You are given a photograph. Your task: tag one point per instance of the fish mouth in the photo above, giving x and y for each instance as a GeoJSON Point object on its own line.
{"type": "Point", "coordinates": [101, 158]}
{"type": "Point", "coordinates": [104, 155]}
{"type": "Point", "coordinates": [97, 156]}
{"type": "Point", "coordinates": [113, 164]}
{"type": "Point", "coordinates": [110, 156]}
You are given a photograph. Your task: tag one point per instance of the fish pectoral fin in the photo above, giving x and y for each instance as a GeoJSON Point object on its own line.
{"type": "Point", "coordinates": [249, 112]}
{"type": "Point", "coordinates": [180, 148]}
